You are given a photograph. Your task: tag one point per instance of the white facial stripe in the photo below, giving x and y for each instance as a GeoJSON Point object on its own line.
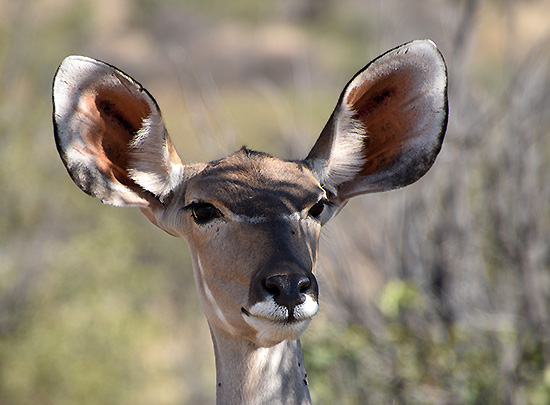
{"type": "Point", "coordinates": [250, 220]}
{"type": "Point", "coordinates": [211, 298]}
{"type": "Point", "coordinates": [295, 216]}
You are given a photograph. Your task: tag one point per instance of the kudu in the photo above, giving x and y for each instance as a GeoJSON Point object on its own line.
{"type": "Point", "coordinates": [252, 221]}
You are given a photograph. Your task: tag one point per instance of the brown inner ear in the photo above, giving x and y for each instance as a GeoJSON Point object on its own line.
{"type": "Point", "coordinates": [114, 117]}
{"type": "Point", "coordinates": [382, 106]}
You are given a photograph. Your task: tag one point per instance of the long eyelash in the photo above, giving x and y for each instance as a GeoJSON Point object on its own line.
{"type": "Point", "coordinates": [329, 191]}
{"type": "Point", "coordinates": [327, 202]}
{"type": "Point", "coordinates": [192, 205]}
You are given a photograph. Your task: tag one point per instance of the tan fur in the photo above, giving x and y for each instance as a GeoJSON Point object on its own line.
{"type": "Point", "coordinates": [265, 222]}
{"type": "Point", "coordinates": [230, 270]}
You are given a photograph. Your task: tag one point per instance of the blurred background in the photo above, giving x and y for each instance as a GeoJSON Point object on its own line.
{"type": "Point", "coordinates": [435, 294]}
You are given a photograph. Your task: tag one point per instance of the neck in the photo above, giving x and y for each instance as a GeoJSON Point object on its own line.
{"type": "Point", "coordinates": [249, 374]}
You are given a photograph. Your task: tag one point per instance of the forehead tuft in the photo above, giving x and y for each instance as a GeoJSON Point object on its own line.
{"type": "Point", "coordinates": [256, 184]}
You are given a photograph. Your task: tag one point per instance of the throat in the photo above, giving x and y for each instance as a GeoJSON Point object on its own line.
{"type": "Point", "coordinates": [249, 374]}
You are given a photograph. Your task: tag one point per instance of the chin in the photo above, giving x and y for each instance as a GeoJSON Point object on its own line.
{"type": "Point", "coordinates": [269, 333]}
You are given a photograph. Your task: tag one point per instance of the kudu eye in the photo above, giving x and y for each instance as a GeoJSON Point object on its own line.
{"type": "Point", "coordinates": [203, 212]}
{"type": "Point", "coordinates": [317, 209]}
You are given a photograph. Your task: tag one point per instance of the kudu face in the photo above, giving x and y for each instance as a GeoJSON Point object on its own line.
{"type": "Point", "coordinates": [252, 221]}
{"type": "Point", "coordinates": [254, 244]}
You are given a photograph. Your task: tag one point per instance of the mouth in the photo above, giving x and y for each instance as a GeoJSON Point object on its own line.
{"type": "Point", "coordinates": [244, 311]}
{"type": "Point", "coordinates": [287, 319]}
{"type": "Point", "coordinates": [269, 310]}
{"type": "Point", "coordinates": [275, 323]}
{"type": "Point", "coordinates": [282, 315]}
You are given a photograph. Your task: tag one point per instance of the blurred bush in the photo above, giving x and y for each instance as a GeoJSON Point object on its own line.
{"type": "Point", "coordinates": [438, 293]}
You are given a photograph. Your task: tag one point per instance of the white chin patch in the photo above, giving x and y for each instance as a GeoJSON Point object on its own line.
{"type": "Point", "coordinates": [273, 324]}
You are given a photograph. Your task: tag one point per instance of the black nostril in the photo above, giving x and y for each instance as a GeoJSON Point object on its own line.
{"type": "Point", "coordinates": [303, 285]}
{"type": "Point", "coordinates": [274, 284]}
{"type": "Point", "coordinates": [288, 290]}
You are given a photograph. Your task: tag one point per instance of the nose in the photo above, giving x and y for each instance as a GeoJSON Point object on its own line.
{"type": "Point", "coordinates": [288, 290]}
{"type": "Point", "coordinates": [287, 283]}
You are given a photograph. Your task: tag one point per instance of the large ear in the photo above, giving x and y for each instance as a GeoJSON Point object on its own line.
{"type": "Point", "coordinates": [388, 125]}
{"type": "Point", "coordinates": [110, 135]}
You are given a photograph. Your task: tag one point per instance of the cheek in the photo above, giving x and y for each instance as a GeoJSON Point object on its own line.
{"type": "Point", "coordinates": [222, 297]}
{"type": "Point", "coordinates": [306, 244]}
{"type": "Point", "coordinates": [223, 271]}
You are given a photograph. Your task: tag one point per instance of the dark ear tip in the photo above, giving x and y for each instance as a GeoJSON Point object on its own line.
{"type": "Point", "coordinates": [400, 98]}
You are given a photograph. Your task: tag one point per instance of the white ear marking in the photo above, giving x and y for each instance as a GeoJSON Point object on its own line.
{"type": "Point", "coordinates": [347, 156]}
{"type": "Point", "coordinates": [151, 165]}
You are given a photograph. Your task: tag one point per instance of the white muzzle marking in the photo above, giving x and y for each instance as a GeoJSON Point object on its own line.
{"type": "Point", "coordinates": [273, 323]}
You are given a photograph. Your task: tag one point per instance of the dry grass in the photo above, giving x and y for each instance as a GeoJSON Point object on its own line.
{"type": "Point", "coordinates": [438, 293]}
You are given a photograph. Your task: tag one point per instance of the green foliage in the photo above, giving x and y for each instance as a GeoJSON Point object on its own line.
{"type": "Point", "coordinates": [409, 362]}
{"type": "Point", "coordinates": [80, 336]}
{"type": "Point", "coordinates": [396, 296]}
{"type": "Point", "coordinates": [98, 307]}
